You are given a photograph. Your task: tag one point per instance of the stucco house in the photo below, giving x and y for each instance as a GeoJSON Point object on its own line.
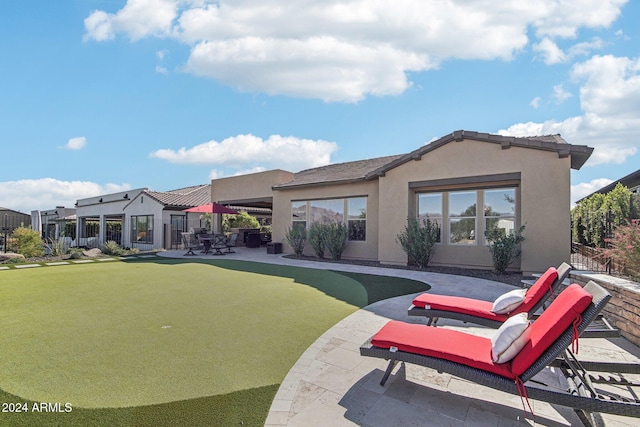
{"type": "Point", "coordinates": [139, 218]}
{"type": "Point", "coordinates": [466, 181]}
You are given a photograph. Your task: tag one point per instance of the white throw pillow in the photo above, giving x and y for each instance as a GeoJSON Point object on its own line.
{"type": "Point", "coordinates": [510, 338]}
{"type": "Point", "coordinates": [508, 302]}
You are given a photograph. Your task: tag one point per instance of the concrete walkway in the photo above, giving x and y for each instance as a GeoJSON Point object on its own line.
{"type": "Point", "coordinates": [331, 384]}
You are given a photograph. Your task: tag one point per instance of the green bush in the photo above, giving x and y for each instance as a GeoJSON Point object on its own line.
{"type": "Point", "coordinates": [27, 242]}
{"type": "Point", "coordinates": [419, 240]}
{"type": "Point", "coordinates": [297, 238]}
{"type": "Point", "coordinates": [503, 247]}
{"type": "Point", "coordinates": [112, 248]}
{"type": "Point", "coordinates": [75, 253]}
{"type": "Point", "coordinates": [337, 238]}
{"type": "Point", "coordinates": [317, 237]}
{"type": "Point", "coordinates": [242, 220]}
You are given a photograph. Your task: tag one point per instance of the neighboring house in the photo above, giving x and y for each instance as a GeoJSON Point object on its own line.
{"type": "Point", "coordinates": [631, 181]}
{"type": "Point", "coordinates": [139, 218]}
{"type": "Point", "coordinates": [10, 220]}
{"type": "Point", "coordinates": [516, 181]}
{"type": "Point", "coordinates": [53, 222]}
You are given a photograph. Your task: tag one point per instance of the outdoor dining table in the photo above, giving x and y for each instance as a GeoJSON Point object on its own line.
{"type": "Point", "coordinates": [215, 242]}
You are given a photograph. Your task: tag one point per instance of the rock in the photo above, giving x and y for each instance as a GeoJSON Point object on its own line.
{"type": "Point", "coordinates": [92, 253]}
{"type": "Point", "coordinates": [10, 255]}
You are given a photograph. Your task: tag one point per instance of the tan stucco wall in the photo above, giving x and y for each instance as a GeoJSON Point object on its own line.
{"type": "Point", "coordinates": [247, 187]}
{"type": "Point", "coordinates": [544, 197]}
{"type": "Point", "coordinates": [367, 250]}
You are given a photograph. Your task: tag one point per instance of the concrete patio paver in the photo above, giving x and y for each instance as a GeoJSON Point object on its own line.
{"type": "Point", "coordinates": [331, 384]}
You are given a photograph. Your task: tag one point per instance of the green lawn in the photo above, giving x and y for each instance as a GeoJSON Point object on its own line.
{"type": "Point", "coordinates": [165, 342]}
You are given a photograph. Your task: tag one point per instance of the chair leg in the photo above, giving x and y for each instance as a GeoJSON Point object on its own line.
{"type": "Point", "coordinates": [385, 377]}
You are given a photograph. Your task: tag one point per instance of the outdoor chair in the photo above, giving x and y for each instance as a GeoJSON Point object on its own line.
{"type": "Point", "coordinates": [545, 342]}
{"type": "Point", "coordinates": [232, 241]}
{"type": "Point", "coordinates": [219, 243]}
{"type": "Point", "coordinates": [484, 313]}
{"type": "Point", "coordinates": [481, 312]}
{"type": "Point", "coordinates": [190, 243]}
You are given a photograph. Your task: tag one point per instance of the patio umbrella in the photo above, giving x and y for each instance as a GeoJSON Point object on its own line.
{"type": "Point", "coordinates": [212, 208]}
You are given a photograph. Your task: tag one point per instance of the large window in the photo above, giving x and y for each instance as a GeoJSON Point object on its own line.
{"type": "Point", "coordinates": [357, 218]}
{"type": "Point", "coordinates": [462, 217]}
{"type": "Point", "coordinates": [500, 209]}
{"type": "Point", "coordinates": [465, 224]}
{"type": "Point", "coordinates": [327, 211]}
{"type": "Point", "coordinates": [430, 207]}
{"type": "Point", "coordinates": [299, 214]}
{"type": "Point", "coordinates": [350, 211]}
{"type": "Point", "coordinates": [142, 229]}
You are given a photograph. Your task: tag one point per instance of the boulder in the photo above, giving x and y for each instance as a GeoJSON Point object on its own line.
{"type": "Point", "coordinates": [10, 255]}
{"type": "Point", "coordinates": [92, 253]}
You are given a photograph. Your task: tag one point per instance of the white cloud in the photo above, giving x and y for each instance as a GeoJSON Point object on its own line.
{"type": "Point", "coordinates": [535, 102]}
{"type": "Point", "coordinates": [137, 19]}
{"type": "Point", "coordinates": [550, 51]}
{"type": "Point", "coordinates": [77, 143]}
{"type": "Point", "coordinates": [346, 50]}
{"type": "Point", "coordinates": [251, 152]}
{"type": "Point", "coordinates": [609, 99]}
{"type": "Point", "coordinates": [583, 189]}
{"type": "Point", "coordinates": [47, 193]}
{"type": "Point", "coordinates": [559, 94]}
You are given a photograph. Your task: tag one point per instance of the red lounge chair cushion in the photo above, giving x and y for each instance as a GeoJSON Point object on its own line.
{"type": "Point", "coordinates": [537, 290]}
{"type": "Point", "coordinates": [480, 308]}
{"type": "Point", "coordinates": [455, 346]}
{"type": "Point", "coordinates": [472, 307]}
{"type": "Point", "coordinates": [565, 310]}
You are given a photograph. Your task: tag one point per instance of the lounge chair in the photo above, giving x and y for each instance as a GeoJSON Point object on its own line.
{"type": "Point", "coordinates": [469, 356]}
{"type": "Point", "coordinates": [480, 312]}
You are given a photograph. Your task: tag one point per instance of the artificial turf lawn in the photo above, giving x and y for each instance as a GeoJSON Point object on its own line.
{"type": "Point", "coordinates": [166, 342]}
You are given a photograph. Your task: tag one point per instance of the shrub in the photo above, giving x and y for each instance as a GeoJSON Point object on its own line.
{"type": "Point", "coordinates": [625, 248]}
{"type": "Point", "coordinates": [56, 247]}
{"type": "Point", "coordinates": [503, 247]}
{"type": "Point", "coordinates": [75, 253]}
{"type": "Point", "coordinates": [242, 220]}
{"type": "Point", "coordinates": [297, 238]}
{"type": "Point", "coordinates": [112, 248]}
{"type": "Point", "coordinates": [419, 240]}
{"type": "Point", "coordinates": [27, 242]}
{"type": "Point", "coordinates": [317, 237]}
{"type": "Point", "coordinates": [337, 238]}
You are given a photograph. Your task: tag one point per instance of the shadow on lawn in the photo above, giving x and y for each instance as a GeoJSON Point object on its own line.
{"type": "Point", "coordinates": [241, 408]}
{"type": "Point", "coordinates": [377, 287]}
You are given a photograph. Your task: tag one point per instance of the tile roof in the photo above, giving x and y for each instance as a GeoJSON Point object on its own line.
{"type": "Point", "coordinates": [579, 153]}
{"type": "Point", "coordinates": [183, 197]}
{"type": "Point", "coordinates": [369, 169]}
{"type": "Point", "coordinates": [337, 173]}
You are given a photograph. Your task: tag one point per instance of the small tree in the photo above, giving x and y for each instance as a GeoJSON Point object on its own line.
{"type": "Point", "coordinates": [419, 240]}
{"type": "Point", "coordinates": [625, 248]}
{"type": "Point", "coordinates": [241, 220]}
{"type": "Point", "coordinates": [27, 242]}
{"type": "Point", "coordinates": [503, 247]}
{"type": "Point", "coordinates": [337, 237]}
{"type": "Point", "coordinates": [317, 237]}
{"type": "Point", "coordinates": [297, 238]}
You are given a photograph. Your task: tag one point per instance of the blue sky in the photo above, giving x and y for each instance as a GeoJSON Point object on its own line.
{"type": "Point", "coordinates": [98, 96]}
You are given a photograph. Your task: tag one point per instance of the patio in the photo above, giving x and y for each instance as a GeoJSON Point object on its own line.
{"type": "Point", "coordinates": [332, 384]}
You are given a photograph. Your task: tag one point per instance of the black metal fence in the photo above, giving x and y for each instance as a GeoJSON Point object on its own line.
{"type": "Point", "coordinates": [590, 256]}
